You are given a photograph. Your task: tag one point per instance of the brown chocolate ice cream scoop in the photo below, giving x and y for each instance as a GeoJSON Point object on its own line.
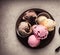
{"type": "Point", "coordinates": [24, 29]}
{"type": "Point", "coordinates": [30, 16]}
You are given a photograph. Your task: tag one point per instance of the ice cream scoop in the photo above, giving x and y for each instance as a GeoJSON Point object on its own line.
{"type": "Point", "coordinates": [41, 19]}
{"type": "Point", "coordinates": [49, 24]}
{"type": "Point", "coordinates": [24, 29]}
{"type": "Point", "coordinates": [33, 41]}
{"type": "Point", "coordinates": [40, 31]}
{"type": "Point", "coordinates": [42, 16]}
{"type": "Point", "coordinates": [30, 16]}
{"type": "Point", "coordinates": [45, 19]}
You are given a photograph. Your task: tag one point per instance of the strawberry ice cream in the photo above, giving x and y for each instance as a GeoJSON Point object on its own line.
{"type": "Point", "coordinates": [40, 31]}
{"type": "Point", "coordinates": [33, 41]}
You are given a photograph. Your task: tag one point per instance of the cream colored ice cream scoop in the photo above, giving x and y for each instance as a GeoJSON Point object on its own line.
{"type": "Point", "coordinates": [45, 19]}
{"type": "Point", "coordinates": [42, 16]}
{"type": "Point", "coordinates": [41, 19]}
{"type": "Point", "coordinates": [24, 29]}
{"type": "Point", "coordinates": [48, 23]}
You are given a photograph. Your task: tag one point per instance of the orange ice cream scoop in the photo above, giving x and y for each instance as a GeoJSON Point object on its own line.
{"type": "Point", "coordinates": [48, 23]}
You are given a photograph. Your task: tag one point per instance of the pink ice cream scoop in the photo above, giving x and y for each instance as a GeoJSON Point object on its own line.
{"type": "Point", "coordinates": [40, 31]}
{"type": "Point", "coordinates": [33, 41]}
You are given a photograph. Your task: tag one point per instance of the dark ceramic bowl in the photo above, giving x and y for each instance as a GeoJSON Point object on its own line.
{"type": "Point", "coordinates": [44, 42]}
